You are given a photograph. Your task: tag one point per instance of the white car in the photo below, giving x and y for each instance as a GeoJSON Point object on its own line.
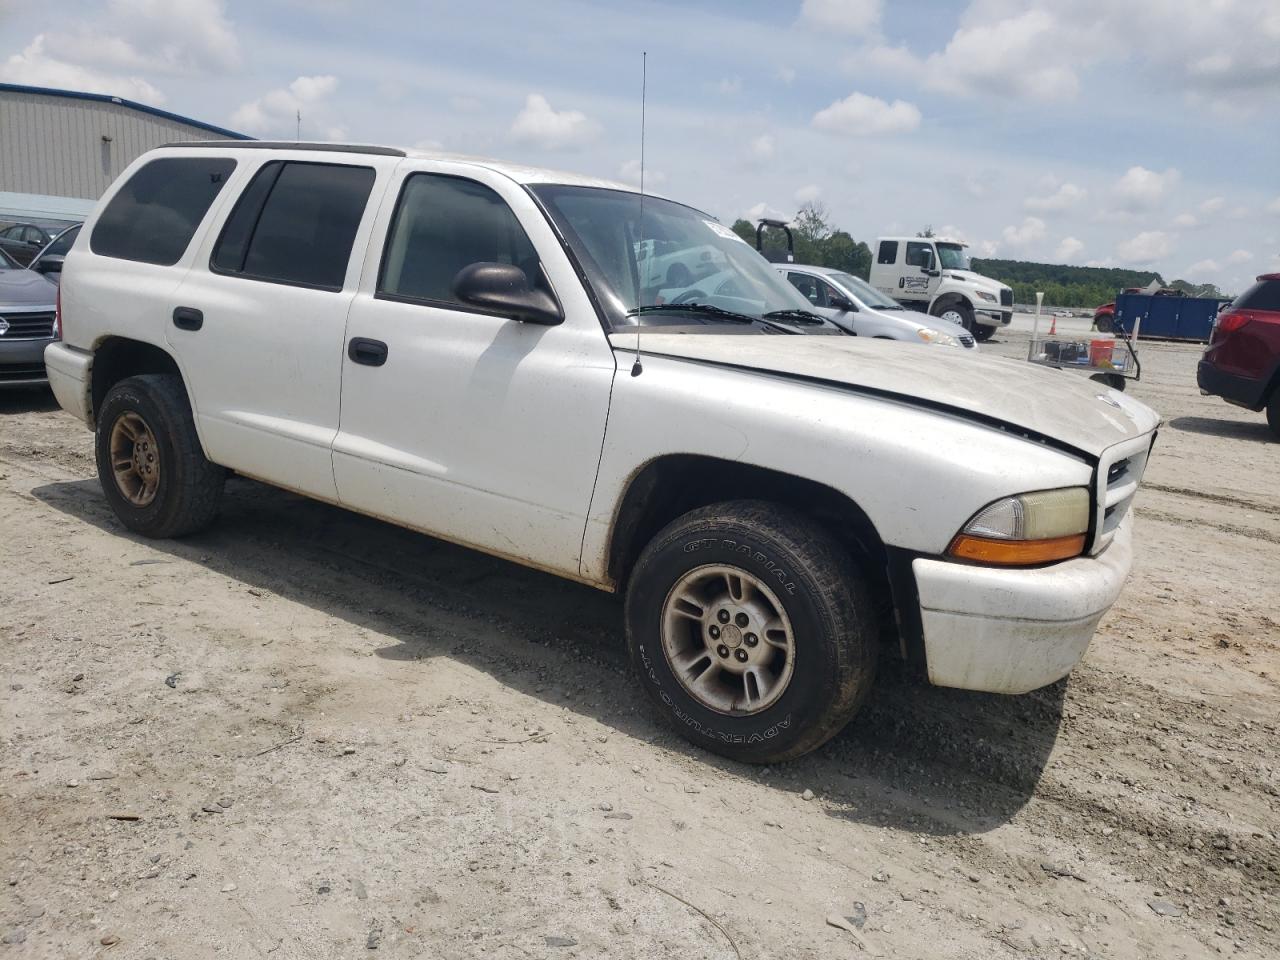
{"type": "Point", "coordinates": [463, 347]}
{"type": "Point", "coordinates": [859, 308]}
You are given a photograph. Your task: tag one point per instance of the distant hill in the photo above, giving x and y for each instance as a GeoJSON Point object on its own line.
{"type": "Point", "coordinates": [1063, 286]}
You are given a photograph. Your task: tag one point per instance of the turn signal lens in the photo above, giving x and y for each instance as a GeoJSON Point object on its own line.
{"type": "Point", "coordinates": [1016, 553]}
{"type": "Point", "coordinates": [1027, 529]}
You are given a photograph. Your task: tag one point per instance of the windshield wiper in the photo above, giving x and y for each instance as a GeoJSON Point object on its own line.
{"type": "Point", "coordinates": [710, 311]}
{"type": "Point", "coordinates": [795, 316]}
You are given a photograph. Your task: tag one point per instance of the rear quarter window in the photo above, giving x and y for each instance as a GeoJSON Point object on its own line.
{"type": "Point", "coordinates": [1263, 295]}
{"type": "Point", "coordinates": [153, 217]}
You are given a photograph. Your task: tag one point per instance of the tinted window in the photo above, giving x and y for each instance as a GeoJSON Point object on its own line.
{"type": "Point", "coordinates": [888, 251]}
{"type": "Point", "coordinates": [919, 254]}
{"type": "Point", "coordinates": [813, 288]}
{"type": "Point", "coordinates": [12, 233]}
{"type": "Point", "coordinates": [154, 216]}
{"type": "Point", "coordinates": [443, 224]}
{"type": "Point", "coordinates": [295, 223]}
{"type": "Point", "coordinates": [34, 235]}
{"type": "Point", "coordinates": [1263, 295]}
{"type": "Point", "coordinates": [62, 245]}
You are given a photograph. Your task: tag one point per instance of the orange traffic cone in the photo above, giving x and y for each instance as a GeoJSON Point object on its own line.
{"type": "Point", "coordinates": [1053, 327]}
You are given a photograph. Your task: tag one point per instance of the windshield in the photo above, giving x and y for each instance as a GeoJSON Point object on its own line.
{"type": "Point", "coordinates": [865, 292]}
{"type": "Point", "coordinates": [953, 257]}
{"type": "Point", "coordinates": [644, 272]}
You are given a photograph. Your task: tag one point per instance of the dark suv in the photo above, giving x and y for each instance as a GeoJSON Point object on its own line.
{"type": "Point", "coordinates": [1242, 362]}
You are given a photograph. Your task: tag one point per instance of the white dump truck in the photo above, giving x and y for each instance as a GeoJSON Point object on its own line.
{"type": "Point", "coordinates": [933, 275]}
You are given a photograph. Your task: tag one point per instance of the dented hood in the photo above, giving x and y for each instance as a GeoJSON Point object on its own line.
{"type": "Point", "coordinates": [1060, 405]}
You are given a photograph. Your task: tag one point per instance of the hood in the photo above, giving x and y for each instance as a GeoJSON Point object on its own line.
{"type": "Point", "coordinates": [978, 280]}
{"type": "Point", "coordinates": [1060, 405]}
{"type": "Point", "coordinates": [26, 290]}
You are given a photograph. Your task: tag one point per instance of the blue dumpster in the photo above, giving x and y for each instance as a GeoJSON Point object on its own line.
{"type": "Point", "coordinates": [1165, 317]}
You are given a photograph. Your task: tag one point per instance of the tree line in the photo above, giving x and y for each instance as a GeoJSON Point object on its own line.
{"type": "Point", "coordinates": [820, 243]}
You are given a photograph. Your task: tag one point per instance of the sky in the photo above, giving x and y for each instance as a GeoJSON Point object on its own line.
{"type": "Point", "coordinates": [1140, 133]}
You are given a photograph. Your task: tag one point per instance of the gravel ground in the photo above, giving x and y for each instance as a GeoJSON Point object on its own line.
{"type": "Point", "coordinates": [306, 734]}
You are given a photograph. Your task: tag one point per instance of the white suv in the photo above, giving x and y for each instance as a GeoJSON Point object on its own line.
{"type": "Point", "coordinates": [451, 345]}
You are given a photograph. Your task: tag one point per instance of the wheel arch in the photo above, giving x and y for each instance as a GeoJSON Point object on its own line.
{"type": "Point", "coordinates": [949, 299]}
{"type": "Point", "coordinates": [672, 485]}
{"type": "Point", "coordinates": [115, 358]}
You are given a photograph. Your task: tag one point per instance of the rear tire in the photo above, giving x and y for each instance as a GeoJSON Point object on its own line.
{"type": "Point", "coordinates": [150, 463]}
{"type": "Point", "coordinates": [800, 629]}
{"type": "Point", "coordinates": [1273, 413]}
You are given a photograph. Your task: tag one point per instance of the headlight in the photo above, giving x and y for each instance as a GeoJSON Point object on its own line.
{"type": "Point", "coordinates": [1028, 529]}
{"type": "Point", "coordinates": [983, 295]}
{"type": "Point", "coordinates": [930, 335]}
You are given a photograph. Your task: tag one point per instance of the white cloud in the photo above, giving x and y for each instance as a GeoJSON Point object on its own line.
{"type": "Point", "coordinates": [786, 74]}
{"type": "Point", "coordinates": [843, 16]}
{"type": "Point", "coordinates": [1239, 256]}
{"type": "Point", "coordinates": [275, 112]}
{"type": "Point", "coordinates": [1204, 266]}
{"type": "Point", "coordinates": [540, 125]}
{"type": "Point", "coordinates": [729, 85]}
{"type": "Point", "coordinates": [1058, 197]}
{"type": "Point", "coordinates": [861, 115]}
{"type": "Point", "coordinates": [133, 38]}
{"type": "Point", "coordinates": [1147, 247]}
{"type": "Point", "coordinates": [1186, 221]}
{"type": "Point", "coordinates": [1028, 232]}
{"type": "Point", "coordinates": [808, 193]}
{"type": "Point", "coordinates": [1274, 206]}
{"type": "Point", "coordinates": [629, 172]}
{"type": "Point", "coordinates": [762, 147]}
{"type": "Point", "coordinates": [1068, 249]}
{"type": "Point", "coordinates": [1213, 205]}
{"type": "Point", "coordinates": [1017, 56]}
{"type": "Point", "coordinates": [36, 67]}
{"type": "Point", "coordinates": [1142, 189]}
{"type": "Point", "coordinates": [949, 231]}
{"type": "Point", "coordinates": [763, 210]}
{"type": "Point", "coordinates": [988, 248]}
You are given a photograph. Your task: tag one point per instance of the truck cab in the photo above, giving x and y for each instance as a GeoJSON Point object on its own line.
{"type": "Point", "coordinates": [933, 275]}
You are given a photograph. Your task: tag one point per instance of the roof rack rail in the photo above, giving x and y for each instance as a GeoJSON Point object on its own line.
{"type": "Point", "coordinates": [291, 145]}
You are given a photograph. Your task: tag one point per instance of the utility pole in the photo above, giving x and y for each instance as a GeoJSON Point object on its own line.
{"type": "Point", "coordinates": [298, 132]}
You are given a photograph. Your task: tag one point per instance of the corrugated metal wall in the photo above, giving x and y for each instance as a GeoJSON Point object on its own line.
{"type": "Point", "coordinates": [54, 145]}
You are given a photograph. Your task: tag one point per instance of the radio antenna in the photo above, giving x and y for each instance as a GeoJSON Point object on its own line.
{"type": "Point", "coordinates": [636, 368]}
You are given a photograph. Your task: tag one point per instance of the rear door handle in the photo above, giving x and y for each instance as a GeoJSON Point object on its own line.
{"type": "Point", "coordinates": [371, 353]}
{"type": "Point", "coordinates": [187, 318]}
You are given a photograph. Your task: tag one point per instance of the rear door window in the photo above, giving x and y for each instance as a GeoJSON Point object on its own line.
{"type": "Point", "coordinates": [442, 224]}
{"type": "Point", "coordinates": [153, 217]}
{"type": "Point", "coordinates": [295, 223]}
{"type": "Point", "coordinates": [888, 252]}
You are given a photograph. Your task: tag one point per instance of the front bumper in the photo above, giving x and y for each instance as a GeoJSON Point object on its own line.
{"type": "Point", "coordinates": [991, 316]}
{"type": "Point", "coordinates": [22, 362]}
{"type": "Point", "coordinates": [1011, 631]}
{"type": "Point", "coordinates": [70, 379]}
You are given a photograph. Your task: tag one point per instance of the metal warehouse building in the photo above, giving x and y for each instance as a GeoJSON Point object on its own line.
{"type": "Point", "coordinates": [59, 150]}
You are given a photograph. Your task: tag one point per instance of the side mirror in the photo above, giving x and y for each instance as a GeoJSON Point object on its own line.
{"type": "Point", "coordinates": [842, 303]}
{"type": "Point", "coordinates": [49, 264]}
{"type": "Point", "coordinates": [503, 288]}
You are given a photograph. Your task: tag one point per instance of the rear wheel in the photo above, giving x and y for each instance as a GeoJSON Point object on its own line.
{"type": "Point", "coordinates": [751, 630]}
{"type": "Point", "coordinates": [1273, 413]}
{"type": "Point", "coordinates": [150, 463]}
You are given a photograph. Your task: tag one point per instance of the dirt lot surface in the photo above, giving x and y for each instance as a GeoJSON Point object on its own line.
{"type": "Point", "coordinates": [305, 734]}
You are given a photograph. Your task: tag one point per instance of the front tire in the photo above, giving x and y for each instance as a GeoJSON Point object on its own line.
{"type": "Point", "coordinates": [955, 312]}
{"type": "Point", "coordinates": [751, 630]}
{"type": "Point", "coordinates": [982, 333]}
{"type": "Point", "coordinates": [150, 462]}
{"type": "Point", "coordinates": [1103, 323]}
{"type": "Point", "coordinates": [1273, 413]}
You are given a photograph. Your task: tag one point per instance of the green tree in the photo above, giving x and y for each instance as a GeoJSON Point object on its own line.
{"type": "Point", "coordinates": [927, 231]}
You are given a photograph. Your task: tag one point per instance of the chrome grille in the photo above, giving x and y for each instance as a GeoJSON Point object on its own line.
{"type": "Point", "coordinates": [965, 340]}
{"type": "Point", "coordinates": [1119, 474]}
{"type": "Point", "coordinates": [27, 326]}
{"type": "Point", "coordinates": [1006, 297]}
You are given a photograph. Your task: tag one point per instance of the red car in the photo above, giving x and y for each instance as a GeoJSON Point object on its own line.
{"type": "Point", "coordinates": [1242, 362]}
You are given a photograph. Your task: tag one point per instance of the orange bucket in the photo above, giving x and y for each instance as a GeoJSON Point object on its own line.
{"type": "Point", "coordinates": [1100, 352]}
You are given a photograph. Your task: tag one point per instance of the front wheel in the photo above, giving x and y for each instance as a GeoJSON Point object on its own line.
{"type": "Point", "coordinates": [751, 630]}
{"type": "Point", "coordinates": [1103, 323]}
{"type": "Point", "coordinates": [150, 463]}
{"type": "Point", "coordinates": [982, 334]}
{"type": "Point", "coordinates": [1273, 413]}
{"type": "Point", "coordinates": [956, 313]}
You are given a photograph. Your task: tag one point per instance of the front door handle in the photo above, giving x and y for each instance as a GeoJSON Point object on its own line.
{"type": "Point", "coordinates": [187, 318]}
{"type": "Point", "coordinates": [371, 353]}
